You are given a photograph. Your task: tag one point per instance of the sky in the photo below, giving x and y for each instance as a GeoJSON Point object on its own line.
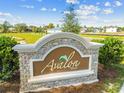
{"type": "Point", "coordinates": [42, 12]}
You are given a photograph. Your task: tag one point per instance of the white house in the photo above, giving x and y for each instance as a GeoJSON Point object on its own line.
{"type": "Point", "coordinates": [54, 30]}
{"type": "Point", "coordinates": [83, 29]}
{"type": "Point", "coordinates": [111, 29]}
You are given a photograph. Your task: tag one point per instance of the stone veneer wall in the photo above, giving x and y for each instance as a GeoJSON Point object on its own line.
{"type": "Point", "coordinates": [25, 65]}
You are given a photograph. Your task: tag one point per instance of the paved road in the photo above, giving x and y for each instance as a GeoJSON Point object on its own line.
{"type": "Point", "coordinates": [122, 89]}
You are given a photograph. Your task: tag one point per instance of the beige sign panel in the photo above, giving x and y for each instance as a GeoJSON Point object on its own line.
{"type": "Point", "coordinates": [63, 59]}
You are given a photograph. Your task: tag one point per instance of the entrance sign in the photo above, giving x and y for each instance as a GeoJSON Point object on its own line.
{"type": "Point", "coordinates": [56, 60]}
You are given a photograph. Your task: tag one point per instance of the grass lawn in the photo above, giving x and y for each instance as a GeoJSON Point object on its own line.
{"type": "Point", "coordinates": [28, 37]}
{"type": "Point", "coordinates": [33, 37]}
{"type": "Point", "coordinates": [100, 36]}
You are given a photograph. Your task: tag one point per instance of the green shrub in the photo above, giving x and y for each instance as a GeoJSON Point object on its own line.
{"type": "Point", "coordinates": [8, 58]}
{"type": "Point", "coordinates": [111, 52]}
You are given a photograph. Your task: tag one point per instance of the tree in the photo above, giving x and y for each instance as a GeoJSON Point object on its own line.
{"type": "Point", "coordinates": [0, 27]}
{"type": "Point", "coordinates": [70, 21]}
{"type": "Point", "coordinates": [34, 29]}
{"type": "Point", "coordinates": [21, 27]}
{"type": "Point", "coordinates": [5, 27]}
{"type": "Point", "coordinates": [45, 28]}
{"type": "Point", "coordinates": [120, 29]}
{"type": "Point", "coordinates": [40, 29]}
{"type": "Point", "coordinates": [90, 29]}
{"type": "Point", "coordinates": [57, 25]}
{"type": "Point", "coordinates": [50, 26]}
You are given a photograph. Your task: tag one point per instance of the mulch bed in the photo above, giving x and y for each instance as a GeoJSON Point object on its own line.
{"type": "Point", "coordinates": [12, 86]}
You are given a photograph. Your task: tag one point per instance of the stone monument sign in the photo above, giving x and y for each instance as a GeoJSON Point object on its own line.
{"type": "Point", "coordinates": [58, 59]}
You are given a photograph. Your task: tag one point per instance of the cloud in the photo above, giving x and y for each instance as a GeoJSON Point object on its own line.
{"type": "Point", "coordinates": [118, 3]}
{"type": "Point", "coordinates": [66, 12]}
{"type": "Point", "coordinates": [48, 9]}
{"type": "Point", "coordinates": [107, 4]}
{"type": "Point", "coordinates": [3, 14]}
{"type": "Point", "coordinates": [108, 11]}
{"type": "Point", "coordinates": [72, 1]}
{"type": "Point", "coordinates": [10, 18]}
{"type": "Point", "coordinates": [87, 10]}
{"type": "Point", "coordinates": [43, 9]}
{"type": "Point", "coordinates": [28, 6]}
{"type": "Point", "coordinates": [90, 17]}
{"type": "Point", "coordinates": [54, 9]}
{"type": "Point", "coordinates": [117, 22]}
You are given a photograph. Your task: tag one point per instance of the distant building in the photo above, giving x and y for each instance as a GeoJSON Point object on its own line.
{"type": "Point", "coordinates": [54, 30]}
{"type": "Point", "coordinates": [95, 30]}
{"type": "Point", "coordinates": [111, 29]}
{"type": "Point", "coordinates": [12, 29]}
{"type": "Point", "coordinates": [83, 29]}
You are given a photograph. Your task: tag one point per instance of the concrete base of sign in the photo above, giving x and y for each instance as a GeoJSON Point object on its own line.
{"type": "Point", "coordinates": [47, 89]}
{"type": "Point", "coordinates": [42, 47]}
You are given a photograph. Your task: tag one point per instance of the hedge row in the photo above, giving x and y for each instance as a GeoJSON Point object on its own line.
{"type": "Point", "coordinates": [8, 58]}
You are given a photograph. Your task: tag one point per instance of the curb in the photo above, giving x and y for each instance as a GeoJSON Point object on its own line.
{"type": "Point", "coordinates": [122, 89]}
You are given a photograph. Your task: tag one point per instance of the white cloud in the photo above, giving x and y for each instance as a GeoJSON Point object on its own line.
{"type": "Point", "coordinates": [87, 10]}
{"type": "Point", "coordinates": [90, 17]}
{"type": "Point", "coordinates": [108, 11]}
{"type": "Point", "coordinates": [116, 22]}
{"type": "Point", "coordinates": [107, 4]}
{"type": "Point", "coordinates": [28, 6]}
{"type": "Point", "coordinates": [72, 1]}
{"type": "Point", "coordinates": [54, 9]}
{"type": "Point", "coordinates": [43, 9]}
{"type": "Point", "coordinates": [5, 14]}
{"type": "Point", "coordinates": [48, 9]}
{"type": "Point", "coordinates": [118, 3]}
{"type": "Point", "coordinates": [66, 12]}
{"type": "Point", "coordinates": [10, 18]}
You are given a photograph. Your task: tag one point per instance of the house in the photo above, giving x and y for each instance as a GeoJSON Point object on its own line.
{"type": "Point", "coordinates": [95, 30]}
{"type": "Point", "coordinates": [111, 29]}
{"type": "Point", "coordinates": [54, 30]}
{"type": "Point", "coordinates": [83, 29]}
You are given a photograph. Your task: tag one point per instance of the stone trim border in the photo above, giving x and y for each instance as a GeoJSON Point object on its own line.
{"type": "Point", "coordinates": [35, 47]}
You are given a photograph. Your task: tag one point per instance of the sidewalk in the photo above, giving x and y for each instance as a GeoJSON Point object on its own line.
{"type": "Point", "coordinates": [122, 89]}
